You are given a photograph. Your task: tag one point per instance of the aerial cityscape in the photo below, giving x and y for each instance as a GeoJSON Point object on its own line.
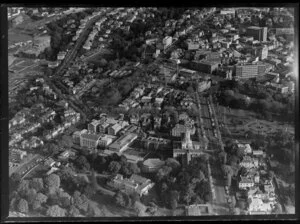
{"type": "Point", "coordinates": [151, 111]}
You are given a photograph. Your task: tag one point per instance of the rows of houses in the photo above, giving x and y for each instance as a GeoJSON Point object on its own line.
{"type": "Point", "coordinates": [260, 189]}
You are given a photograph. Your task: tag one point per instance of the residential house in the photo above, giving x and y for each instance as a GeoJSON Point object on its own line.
{"type": "Point", "coordinates": [49, 162]}
{"type": "Point", "coordinates": [66, 154]}
{"type": "Point", "coordinates": [249, 162]}
{"type": "Point", "coordinates": [246, 147]}
{"type": "Point", "coordinates": [17, 155]}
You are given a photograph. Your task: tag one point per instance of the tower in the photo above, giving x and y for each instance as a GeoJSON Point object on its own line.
{"type": "Point", "coordinates": [187, 142]}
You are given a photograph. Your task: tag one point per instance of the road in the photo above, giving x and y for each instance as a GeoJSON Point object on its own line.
{"type": "Point", "coordinates": [67, 98]}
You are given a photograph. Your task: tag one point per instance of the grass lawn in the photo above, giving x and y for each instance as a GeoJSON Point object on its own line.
{"type": "Point", "coordinates": [110, 209]}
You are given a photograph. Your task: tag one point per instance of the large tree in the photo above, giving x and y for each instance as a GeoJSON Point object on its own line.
{"type": "Point", "coordinates": [52, 182]}
{"type": "Point", "coordinates": [22, 206]}
{"type": "Point", "coordinates": [56, 211]}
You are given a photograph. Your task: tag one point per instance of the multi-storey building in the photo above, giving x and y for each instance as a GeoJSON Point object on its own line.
{"type": "Point", "coordinates": [248, 71]}
{"type": "Point", "coordinates": [258, 33]}
{"type": "Point", "coordinates": [89, 140]}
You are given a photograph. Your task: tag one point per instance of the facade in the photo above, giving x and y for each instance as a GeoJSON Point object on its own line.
{"type": "Point", "coordinates": [249, 71]}
{"type": "Point", "coordinates": [106, 140]}
{"type": "Point", "coordinates": [204, 66]}
{"type": "Point", "coordinates": [89, 140]}
{"type": "Point", "coordinates": [249, 162]}
{"type": "Point", "coordinates": [76, 135]}
{"type": "Point", "coordinates": [258, 33]}
{"type": "Point", "coordinates": [246, 183]}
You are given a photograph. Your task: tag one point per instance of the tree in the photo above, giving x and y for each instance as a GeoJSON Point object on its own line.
{"type": "Point", "coordinates": [74, 212]}
{"type": "Point", "coordinates": [119, 199]}
{"type": "Point", "coordinates": [37, 184]}
{"type": "Point", "coordinates": [22, 206]}
{"type": "Point", "coordinates": [31, 194]}
{"type": "Point", "coordinates": [14, 180]}
{"type": "Point", "coordinates": [38, 201]}
{"type": "Point", "coordinates": [80, 201]}
{"type": "Point", "coordinates": [241, 204]}
{"type": "Point", "coordinates": [188, 194]}
{"type": "Point", "coordinates": [94, 211]}
{"type": "Point", "coordinates": [56, 211]}
{"type": "Point", "coordinates": [23, 188]}
{"type": "Point", "coordinates": [277, 209]}
{"type": "Point", "coordinates": [103, 62]}
{"type": "Point", "coordinates": [114, 167]}
{"type": "Point", "coordinates": [227, 170]}
{"type": "Point", "coordinates": [223, 157]}
{"type": "Point", "coordinates": [134, 168]}
{"type": "Point", "coordinates": [52, 182]}
{"type": "Point", "coordinates": [82, 163]}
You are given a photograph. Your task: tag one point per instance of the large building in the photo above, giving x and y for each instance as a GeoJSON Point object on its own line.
{"type": "Point", "coordinates": [123, 142]}
{"type": "Point", "coordinates": [188, 149]}
{"type": "Point", "coordinates": [258, 33]}
{"type": "Point", "coordinates": [134, 184]}
{"type": "Point", "coordinates": [249, 71]}
{"type": "Point", "coordinates": [205, 66]}
{"type": "Point", "coordinates": [152, 165]}
{"type": "Point", "coordinates": [89, 140]}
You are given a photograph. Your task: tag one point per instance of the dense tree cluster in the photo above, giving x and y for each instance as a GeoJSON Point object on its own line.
{"type": "Point", "coordinates": [251, 96]}
{"type": "Point", "coordinates": [188, 186]}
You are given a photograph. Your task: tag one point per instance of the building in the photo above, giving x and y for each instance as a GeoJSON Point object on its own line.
{"type": "Point", "coordinates": [198, 209]}
{"type": "Point", "coordinates": [93, 127]}
{"type": "Point", "coordinates": [205, 66]}
{"type": "Point", "coordinates": [76, 136]}
{"type": "Point", "coordinates": [152, 165]}
{"type": "Point", "coordinates": [263, 52]}
{"type": "Point", "coordinates": [134, 184]}
{"type": "Point", "coordinates": [114, 130]}
{"type": "Point", "coordinates": [258, 33]}
{"type": "Point", "coordinates": [123, 142]}
{"type": "Point", "coordinates": [180, 129]}
{"type": "Point", "coordinates": [258, 206]}
{"type": "Point", "coordinates": [39, 44]}
{"type": "Point", "coordinates": [245, 147]}
{"type": "Point", "coordinates": [246, 183]}
{"type": "Point", "coordinates": [66, 154]}
{"type": "Point", "coordinates": [106, 140]}
{"type": "Point", "coordinates": [281, 31]}
{"type": "Point", "coordinates": [167, 41]}
{"type": "Point", "coordinates": [89, 140]}
{"type": "Point", "coordinates": [249, 162]}
{"type": "Point", "coordinates": [204, 85]}
{"type": "Point", "coordinates": [248, 71]}
{"type": "Point", "coordinates": [188, 149]}
{"type": "Point", "coordinates": [16, 155]}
